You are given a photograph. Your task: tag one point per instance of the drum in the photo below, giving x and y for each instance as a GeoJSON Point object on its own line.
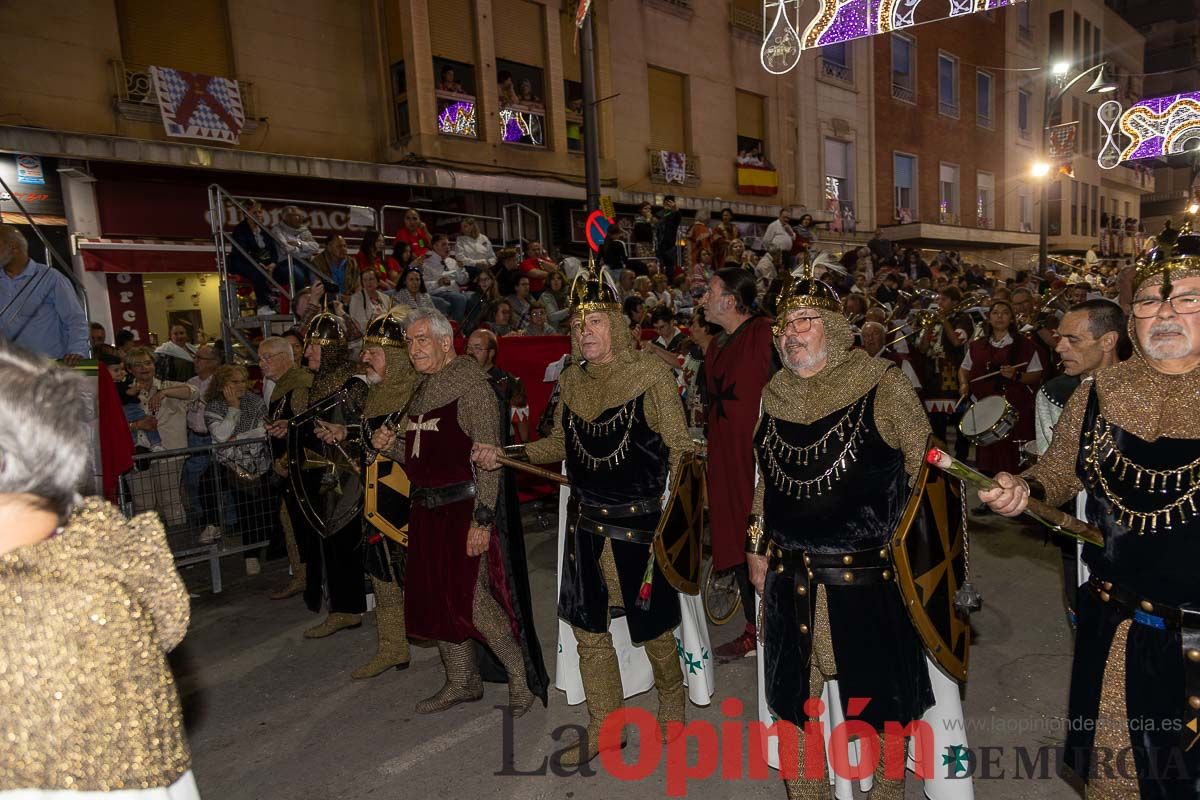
{"type": "Point", "coordinates": [988, 421]}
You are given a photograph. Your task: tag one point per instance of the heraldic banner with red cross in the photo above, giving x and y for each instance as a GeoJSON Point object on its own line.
{"type": "Point", "coordinates": [198, 106]}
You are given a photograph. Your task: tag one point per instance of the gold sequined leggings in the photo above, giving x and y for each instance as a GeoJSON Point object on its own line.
{"type": "Point", "coordinates": [821, 667]}
{"type": "Point", "coordinates": [492, 622]}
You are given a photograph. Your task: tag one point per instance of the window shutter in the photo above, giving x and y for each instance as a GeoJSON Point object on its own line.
{"type": "Point", "coordinates": [667, 129]}
{"type": "Point", "coordinates": [517, 26]}
{"type": "Point", "coordinates": [452, 30]}
{"type": "Point", "coordinates": [192, 36]}
{"type": "Point", "coordinates": [750, 116]}
{"type": "Point", "coordinates": [570, 48]}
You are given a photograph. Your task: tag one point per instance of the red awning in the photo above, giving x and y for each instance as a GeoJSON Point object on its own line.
{"type": "Point", "coordinates": [147, 255]}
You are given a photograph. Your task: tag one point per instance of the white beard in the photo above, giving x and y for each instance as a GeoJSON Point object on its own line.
{"type": "Point", "coordinates": [372, 378]}
{"type": "Point", "coordinates": [805, 360]}
{"type": "Point", "coordinates": [1164, 351]}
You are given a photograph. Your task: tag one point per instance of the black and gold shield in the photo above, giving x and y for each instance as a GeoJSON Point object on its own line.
{"type": "Point", "coordinates": [326, 479]}
{"type": "Point", "coordinates": [386, 503]}
{"type": "Point", "coordinates": [677, 541]}
{"type": "Point", "coordinates": [929, 553]}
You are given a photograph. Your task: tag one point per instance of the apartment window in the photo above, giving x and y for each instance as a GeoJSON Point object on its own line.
{"type": "Point", "coordinates": [1024, 98]}
{"type": "Point", "coordinates": [1057, 31]}
{"type": "Point", "coordinates": [668, 117]}
{"type": "Point", "coordinates": [1074, 208]}
{"type": "Point", "coordinates": [573, 94]}
{"type": "Point", "coordinates": [751, 125]}
{"type": "Point", "coordinates": [519, 35]}
{"type": "Point", "coordinates": [904, 186]}
{"type": "Point", "coordinates": [839, 165]}
{"type": "Point", "coordinates": [1023, 24]}
{"type": "Point", "coordinates": [947, 85]}
{"type": "Point", "coordinates": [192, 36]}
{"type": "Point", "coordinates": [985, 200]}
{"type": "Point", "coordinates": [400, 101]}
{"type": "Point", "coordinates": [948, 194]}
{"type": "Point", "coordinates": [835, 62]}
{"type": "Point", "coordinates": [1096, 44]}
{"type": "Point", "coordinates": [904, 73]}
{"type": "Point", "coordinates": [1025, 209]}
{"type": "Point", "coordinates": [983, 98]}
{"type": "Point", "coordinates": [452, 31]}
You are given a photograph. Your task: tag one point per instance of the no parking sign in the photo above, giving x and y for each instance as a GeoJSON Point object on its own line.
{"type": "Point", "coordinates": [596, 230]}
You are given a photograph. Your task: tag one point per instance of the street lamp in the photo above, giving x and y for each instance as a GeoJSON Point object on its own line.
{"type": "Point", "coordinates": [1053, 101]}
{"type": "Point", "coordinates": [1040, 169]}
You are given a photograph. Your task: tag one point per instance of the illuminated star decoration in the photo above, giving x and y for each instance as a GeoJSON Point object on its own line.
{"type": "Point", "coordinates": [722, 394]}
{"type": "Point", "coordinates": [956, 758]}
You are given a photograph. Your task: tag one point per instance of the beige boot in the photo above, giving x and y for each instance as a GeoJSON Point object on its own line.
{"type": "Point", "coordinates": [333, 623]}
{"type": "Point", "coordinates": [602, 681]}
{"type": "Point", "coordinates": [297, 584]}
{"type": "Point", "coordinates": [492, 622]}
{"type": "Point", "coordinates": [463, 684]}
{"type": "Point", "coordinates": [389, 624]}
{"type": "Point", "coordinates": [668, 680]}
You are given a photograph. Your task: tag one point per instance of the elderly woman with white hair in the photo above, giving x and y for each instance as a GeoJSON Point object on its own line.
{"type": "Point", "coordinates": [93, 605]}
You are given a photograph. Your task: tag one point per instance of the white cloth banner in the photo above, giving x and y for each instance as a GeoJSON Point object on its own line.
{"type": "Point", "coordinates": [944, 719]}
{"type": "Point", "coordinates": [691, 638]}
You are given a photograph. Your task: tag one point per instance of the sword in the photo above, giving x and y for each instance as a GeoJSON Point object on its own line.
{"type": "Point", "coordinates": [544, 474]}
{"type": "Point", "coordinates": [1046, 514]}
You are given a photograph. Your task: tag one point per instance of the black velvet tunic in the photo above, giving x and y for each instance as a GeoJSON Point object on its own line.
{"type": "Point", "coordinates": [876, 649]}
{"type": "Point", "coordinates": [1159, 565]}
{"type": "Point", "coordinates": [636, 471]}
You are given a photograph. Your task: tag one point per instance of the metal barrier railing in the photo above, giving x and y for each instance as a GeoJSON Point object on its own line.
{"type": "Point", "coordinates": [483, 219]}
{"type": "Point", "coordinates": [208, 509]}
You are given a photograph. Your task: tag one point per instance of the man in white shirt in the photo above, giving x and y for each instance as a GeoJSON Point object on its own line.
{"type": "Point", "coordinates": [292, 229]}
{"type": "Point", "coordinates": [444, 278]}
{"type": "Point", "coordinates": [780, 233]}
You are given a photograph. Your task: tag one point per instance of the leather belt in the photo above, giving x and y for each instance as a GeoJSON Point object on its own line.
{"type": "Point", "coordinates": [616, 531]}
{"type": "Point", "coordinates": [851, 568]}
{"type": "Point", "coordinates": [437, 496]}
{"type": "Point", "coordinates": [637, 508]}
{"type": "Point", "coordinates": [1164, 617]}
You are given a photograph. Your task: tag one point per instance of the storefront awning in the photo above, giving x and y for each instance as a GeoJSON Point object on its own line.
{"type": "Point", "coordinates": [147, 255]}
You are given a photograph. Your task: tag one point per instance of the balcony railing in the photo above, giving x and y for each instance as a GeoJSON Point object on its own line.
{"type": "Point", "coordinates": [947, 217]}
{"type": "Point", "coordinates": [672, 172]}
{"type": "Point", "coordinates": [950, 109]}
{"type": "Point", "coordinates": [523, 124]}
{"type": "Point", "coordinates": [457, 115]}
{"type": "Point", "coordinates": [137, 98]}
{"type": "Point", "coordinates": [742, 20]}
{"type": "Point", "coordinates": [839, 72]}
{"type": "Point", "coordinates": [904, 93]}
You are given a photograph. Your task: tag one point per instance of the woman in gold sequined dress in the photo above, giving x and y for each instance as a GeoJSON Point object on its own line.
{"type": "Point", "coordinates": [92, 605]}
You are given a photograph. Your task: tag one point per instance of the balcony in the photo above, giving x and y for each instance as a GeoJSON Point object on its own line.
{"type": "Point", "coordinates": [523, 125]}
{"type": "Point", "coordinates": [137, 98]}
{"type": "Point", "coordinates": [947, 217]}
{"type": "Point", "coordinates": [757, 180]}
{"type": "Point", "coordinates": [904, 93]}
{"type": "Point", "coordinates": [948, 108]}
{"type": "Point", "coordinates": [456, 115]}
{"type": "Point", "coordinates": [678, 169]}
{"type": "Point", "coordinates": [743, 21]}
{"type": "Point", "coordinates": [837, 72]}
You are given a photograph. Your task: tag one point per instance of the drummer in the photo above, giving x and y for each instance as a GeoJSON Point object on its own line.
{"type": "Point", "coordinates": [1003, 363]}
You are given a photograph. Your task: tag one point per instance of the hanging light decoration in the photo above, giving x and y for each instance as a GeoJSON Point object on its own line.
{"type": "Point", "coordinates": [780, 51]}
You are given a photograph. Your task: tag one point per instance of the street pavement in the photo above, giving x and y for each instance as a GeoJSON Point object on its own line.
{"type": "Point", "coordinates": [272, 715]}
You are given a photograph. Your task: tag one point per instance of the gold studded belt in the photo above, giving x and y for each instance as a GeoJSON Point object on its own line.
{"type": "Point", "coordinates": [619, 532]}
{"type": "Point", "coordinates": [1164, 617]}
{"type": "Point", "coordinates": [853, 568]}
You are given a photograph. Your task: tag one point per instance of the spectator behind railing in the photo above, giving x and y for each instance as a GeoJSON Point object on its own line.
{"type": "Point", "coordinates": [554, 298]}
{"type": "Point", "coordinates": [412, 291]}
{"type": "Point", "coordinates": [369, 301]}
{"type": "Point", "coordinates": [448, 83]}
{"type": "Point", "coordinates": [472, 249]}
{"type": "Point", "coordinates": [489, 293]}
{"type": "Point", "coordinates": [292, 230]}
{"type": "Point", "coordinates": [92, 606]}
{"type": "Point", "coordinates": [235, 412]}
{"type": "Point", "coordinates": [254, 248]}
{"type": "Point", "coordinates": [508, 270]}
{"type": "Point", "coordinates": [313, 301]}
{"type": "Point", "coordinates": [501, 322]}
{"type": "Point", "coordinates": [174, 360]}
{"type": "Point", "coordinates": [538, 324]}
{"type": "Point", "coordinates": [537, 266]}
{"type": "Point", "coordinates": [47, 316]}
{"type": "Point", "coordinates": [519, 302]}
{"type": "Point", "coordinates": [153, 423]}
{"type": "Point", "coordinates": [370, 258]}
{"type": "Point", "coordinates": [335, 262]}
{"type": "Point", "coordinates": [414, 234]}
{"type": "Point", "coordinates": [446, 279]}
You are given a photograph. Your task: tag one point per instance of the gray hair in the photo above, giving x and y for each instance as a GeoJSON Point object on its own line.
{"type": "Point", "coordinates": [14, 237]}
{"type": "Point", "coordinates": [44, 442]}
{"type": "Point", "coordinates": [439, 326]}
{"type": "Point", "coordinates": [134, 353]}
{"type": "Point", "coordinates": [278, 344]}
{"type": "Point", "coordinates": [872, 324]}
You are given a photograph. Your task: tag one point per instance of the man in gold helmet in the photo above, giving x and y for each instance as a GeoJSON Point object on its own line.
{"type": "Point", "coordinates": [1130, 437]}
{"type": "Point", "coordinates": [391, 380]}
{"type": "Point", "coordinates": [840, 438]}
{"type": "Point", "coordinates": [325, 484]}
{"type": "Point", "coordinates": [620, 427]}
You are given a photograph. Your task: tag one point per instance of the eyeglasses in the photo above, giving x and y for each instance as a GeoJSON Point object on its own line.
{"type": "Point", "coordinates": [141, 364]}
{"type": "Point", "coordinates": [799, 325]}
{"type": "Point", "coordinates": [1146, 307]}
